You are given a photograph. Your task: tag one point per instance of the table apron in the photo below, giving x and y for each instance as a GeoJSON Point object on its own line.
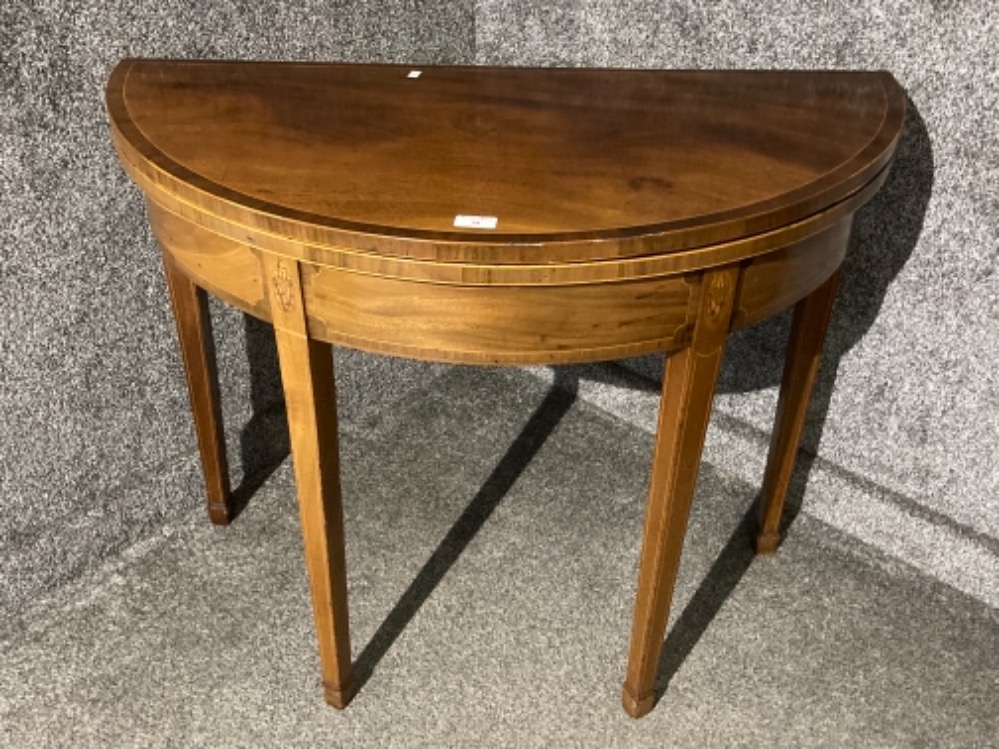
{"type": "Point", "coordinates": [500, 324]}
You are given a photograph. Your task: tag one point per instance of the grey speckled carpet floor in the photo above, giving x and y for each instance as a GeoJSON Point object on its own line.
{"type": "Point", "coordinates": [493, 529]}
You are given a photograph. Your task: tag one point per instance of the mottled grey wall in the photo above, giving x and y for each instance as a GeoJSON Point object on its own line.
{"type": "Point", "coordinates": [96, 442]}
{"type": "Point", "coordinates": [96, 448]}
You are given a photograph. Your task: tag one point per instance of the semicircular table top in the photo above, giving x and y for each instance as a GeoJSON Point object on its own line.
{"type": "Point", "coordinates": [503, 215]}
{"type": "Point", "coordinates": [589, 164]}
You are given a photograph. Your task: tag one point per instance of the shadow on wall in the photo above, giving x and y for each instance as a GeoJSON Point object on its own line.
{"type": "Point", "coordinates": [885, 233]}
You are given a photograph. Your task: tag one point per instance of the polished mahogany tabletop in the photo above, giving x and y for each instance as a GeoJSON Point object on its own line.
{"type": "Point", "coordinates": [574, 164]}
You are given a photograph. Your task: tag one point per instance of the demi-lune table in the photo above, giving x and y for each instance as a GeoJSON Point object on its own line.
{"type": "Point", "coordinates": [502, 216]}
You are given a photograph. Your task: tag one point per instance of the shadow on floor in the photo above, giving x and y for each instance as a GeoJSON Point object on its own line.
{"type": "Point", "coordinates": [717, 585]}
{"type": "Point", "coordinates": [518, 456]}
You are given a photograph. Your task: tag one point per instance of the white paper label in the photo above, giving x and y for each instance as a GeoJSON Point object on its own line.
{"type": "Point", "coordinates": [464, 221]}
{"type": "Point", "coordinates": [414, 74]}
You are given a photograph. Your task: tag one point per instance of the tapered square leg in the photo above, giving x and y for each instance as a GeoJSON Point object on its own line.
{"type": "Point", "coordinates": [194, 332]}
{"type": "Point", "coordinates": [804, 352]}
{"type": "Point", "coordinates": [685, 405]}
{"type": "Point", "coordinates": [310, 399]}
